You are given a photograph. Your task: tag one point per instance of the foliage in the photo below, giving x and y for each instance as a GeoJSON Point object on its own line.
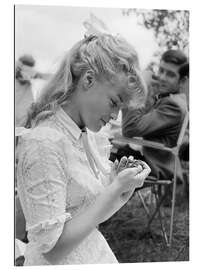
{"type": "Point", "coordinates": [170, 27]}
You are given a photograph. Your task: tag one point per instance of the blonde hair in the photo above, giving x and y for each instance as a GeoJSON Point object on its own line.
{"type": "Point", "coordinates": [105, 55]}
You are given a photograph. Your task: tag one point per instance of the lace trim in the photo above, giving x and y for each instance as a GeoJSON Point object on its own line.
{"type": "Point", "coordinates": [47, 224]}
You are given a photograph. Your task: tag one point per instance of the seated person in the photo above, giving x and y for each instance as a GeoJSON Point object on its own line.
{"type": "Point", "coordinates": [23, 88]}
{"type": "Point", "coordinates": [161, 122]}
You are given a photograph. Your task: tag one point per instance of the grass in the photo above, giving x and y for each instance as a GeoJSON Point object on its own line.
{"type": "Point", "coordinates": [131, 243]}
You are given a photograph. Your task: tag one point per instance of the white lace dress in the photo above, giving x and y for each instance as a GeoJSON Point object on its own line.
{"type": "Point", "coordinates": [55, 181]}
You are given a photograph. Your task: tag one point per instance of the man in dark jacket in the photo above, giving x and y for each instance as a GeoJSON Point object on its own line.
{"type": "Point", "coordinates": [163, 120]}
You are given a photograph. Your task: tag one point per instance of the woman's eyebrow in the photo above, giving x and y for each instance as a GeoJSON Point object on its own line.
{"type": "Point", "coordinates": [120, 98]}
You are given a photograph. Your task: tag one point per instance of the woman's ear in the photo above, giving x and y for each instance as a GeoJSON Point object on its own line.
{"type": "Point", "coordinates": [88, 79]}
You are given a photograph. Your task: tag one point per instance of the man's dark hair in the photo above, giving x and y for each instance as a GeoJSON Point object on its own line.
{"type": "Point", "coordinates": [184, 71]}
{"type": "Point", "coordinates": [176, 57]}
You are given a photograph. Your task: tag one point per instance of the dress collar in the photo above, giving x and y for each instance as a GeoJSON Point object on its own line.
{"type": "Point", "coordinates": [68, 124]}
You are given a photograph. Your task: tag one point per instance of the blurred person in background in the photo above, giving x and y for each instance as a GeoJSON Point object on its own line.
{"type": "Point", "coordinates": [24, 76]}
{"type": "Point", "coordinates": [23, 87]}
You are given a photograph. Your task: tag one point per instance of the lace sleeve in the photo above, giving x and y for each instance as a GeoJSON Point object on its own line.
{"type": "Point", "coordinates": [47, 233]}
{"type": "Point", "coordinates": [42, 182]}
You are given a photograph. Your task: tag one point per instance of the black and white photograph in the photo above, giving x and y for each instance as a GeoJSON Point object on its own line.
{"type": "Point", "coordinates": [101, 135]}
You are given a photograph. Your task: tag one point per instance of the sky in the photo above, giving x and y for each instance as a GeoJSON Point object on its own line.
{"type": "Point", "coordinates": [47, 32]}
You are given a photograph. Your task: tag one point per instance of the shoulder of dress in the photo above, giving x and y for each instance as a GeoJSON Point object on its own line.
{"type": "Point", "coordinates": [44, 133]}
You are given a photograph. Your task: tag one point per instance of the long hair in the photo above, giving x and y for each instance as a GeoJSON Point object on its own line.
{"type": "Point", "coordinates": [105, 55]}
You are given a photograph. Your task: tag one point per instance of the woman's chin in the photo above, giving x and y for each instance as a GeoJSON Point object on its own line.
{"type": "Point", "coordinates": [97, 129]}
{"type": "Point", "coordinates": [94, 128]}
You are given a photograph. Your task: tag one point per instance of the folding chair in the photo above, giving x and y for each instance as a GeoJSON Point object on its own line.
{"type": "Point", "coordinates": [155, 182]}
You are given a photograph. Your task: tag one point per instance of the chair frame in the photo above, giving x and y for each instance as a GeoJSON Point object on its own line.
{"type": "Point", "coordinates": [154, 182]}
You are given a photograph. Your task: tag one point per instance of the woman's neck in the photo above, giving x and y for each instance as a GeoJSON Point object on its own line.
{"type": "Point", "coordinates": [71, 109]}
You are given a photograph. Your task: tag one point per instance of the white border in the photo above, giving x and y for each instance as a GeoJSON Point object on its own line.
{"type": "Point", "coordinates": [7, 115]}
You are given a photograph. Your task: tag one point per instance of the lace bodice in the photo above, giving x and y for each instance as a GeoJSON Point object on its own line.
{"type": "Point", "coordinates": [55, 181]}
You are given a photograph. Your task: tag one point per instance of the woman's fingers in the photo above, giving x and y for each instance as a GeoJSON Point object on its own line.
{"type": "Point", "coordinates": [141, 176]}
{"type": "Point", "coordinates": [126, 178]}
{"type": "Point", "coordinates": [146, 166]}
{"type": "Point", "coordinates": [129, 162]}
{"type": "Point", "coordinates": [114, 166]}
{"type": "Point", "coordinates": [130, 172]}
{"type": "Point", "coordinates": [139, 170]}
{"type": "Point", "coordinates": [122, 164]}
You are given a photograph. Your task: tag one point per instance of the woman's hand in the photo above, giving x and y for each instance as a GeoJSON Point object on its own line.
{"type": "Point", "coordinates": [129, 174]}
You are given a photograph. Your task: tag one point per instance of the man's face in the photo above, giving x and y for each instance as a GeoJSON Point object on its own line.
{"type": "Point", "coordinates": [168, 77]}
{"type": "Point", "coordinates": [102, 102]}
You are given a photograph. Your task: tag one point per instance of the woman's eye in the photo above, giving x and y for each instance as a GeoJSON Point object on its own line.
{"type": "Point", "coordinates": [113, 103]}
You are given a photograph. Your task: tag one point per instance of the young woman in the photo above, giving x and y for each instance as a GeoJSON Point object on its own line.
{"type": "Point", "coordinates": [64, 188]}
